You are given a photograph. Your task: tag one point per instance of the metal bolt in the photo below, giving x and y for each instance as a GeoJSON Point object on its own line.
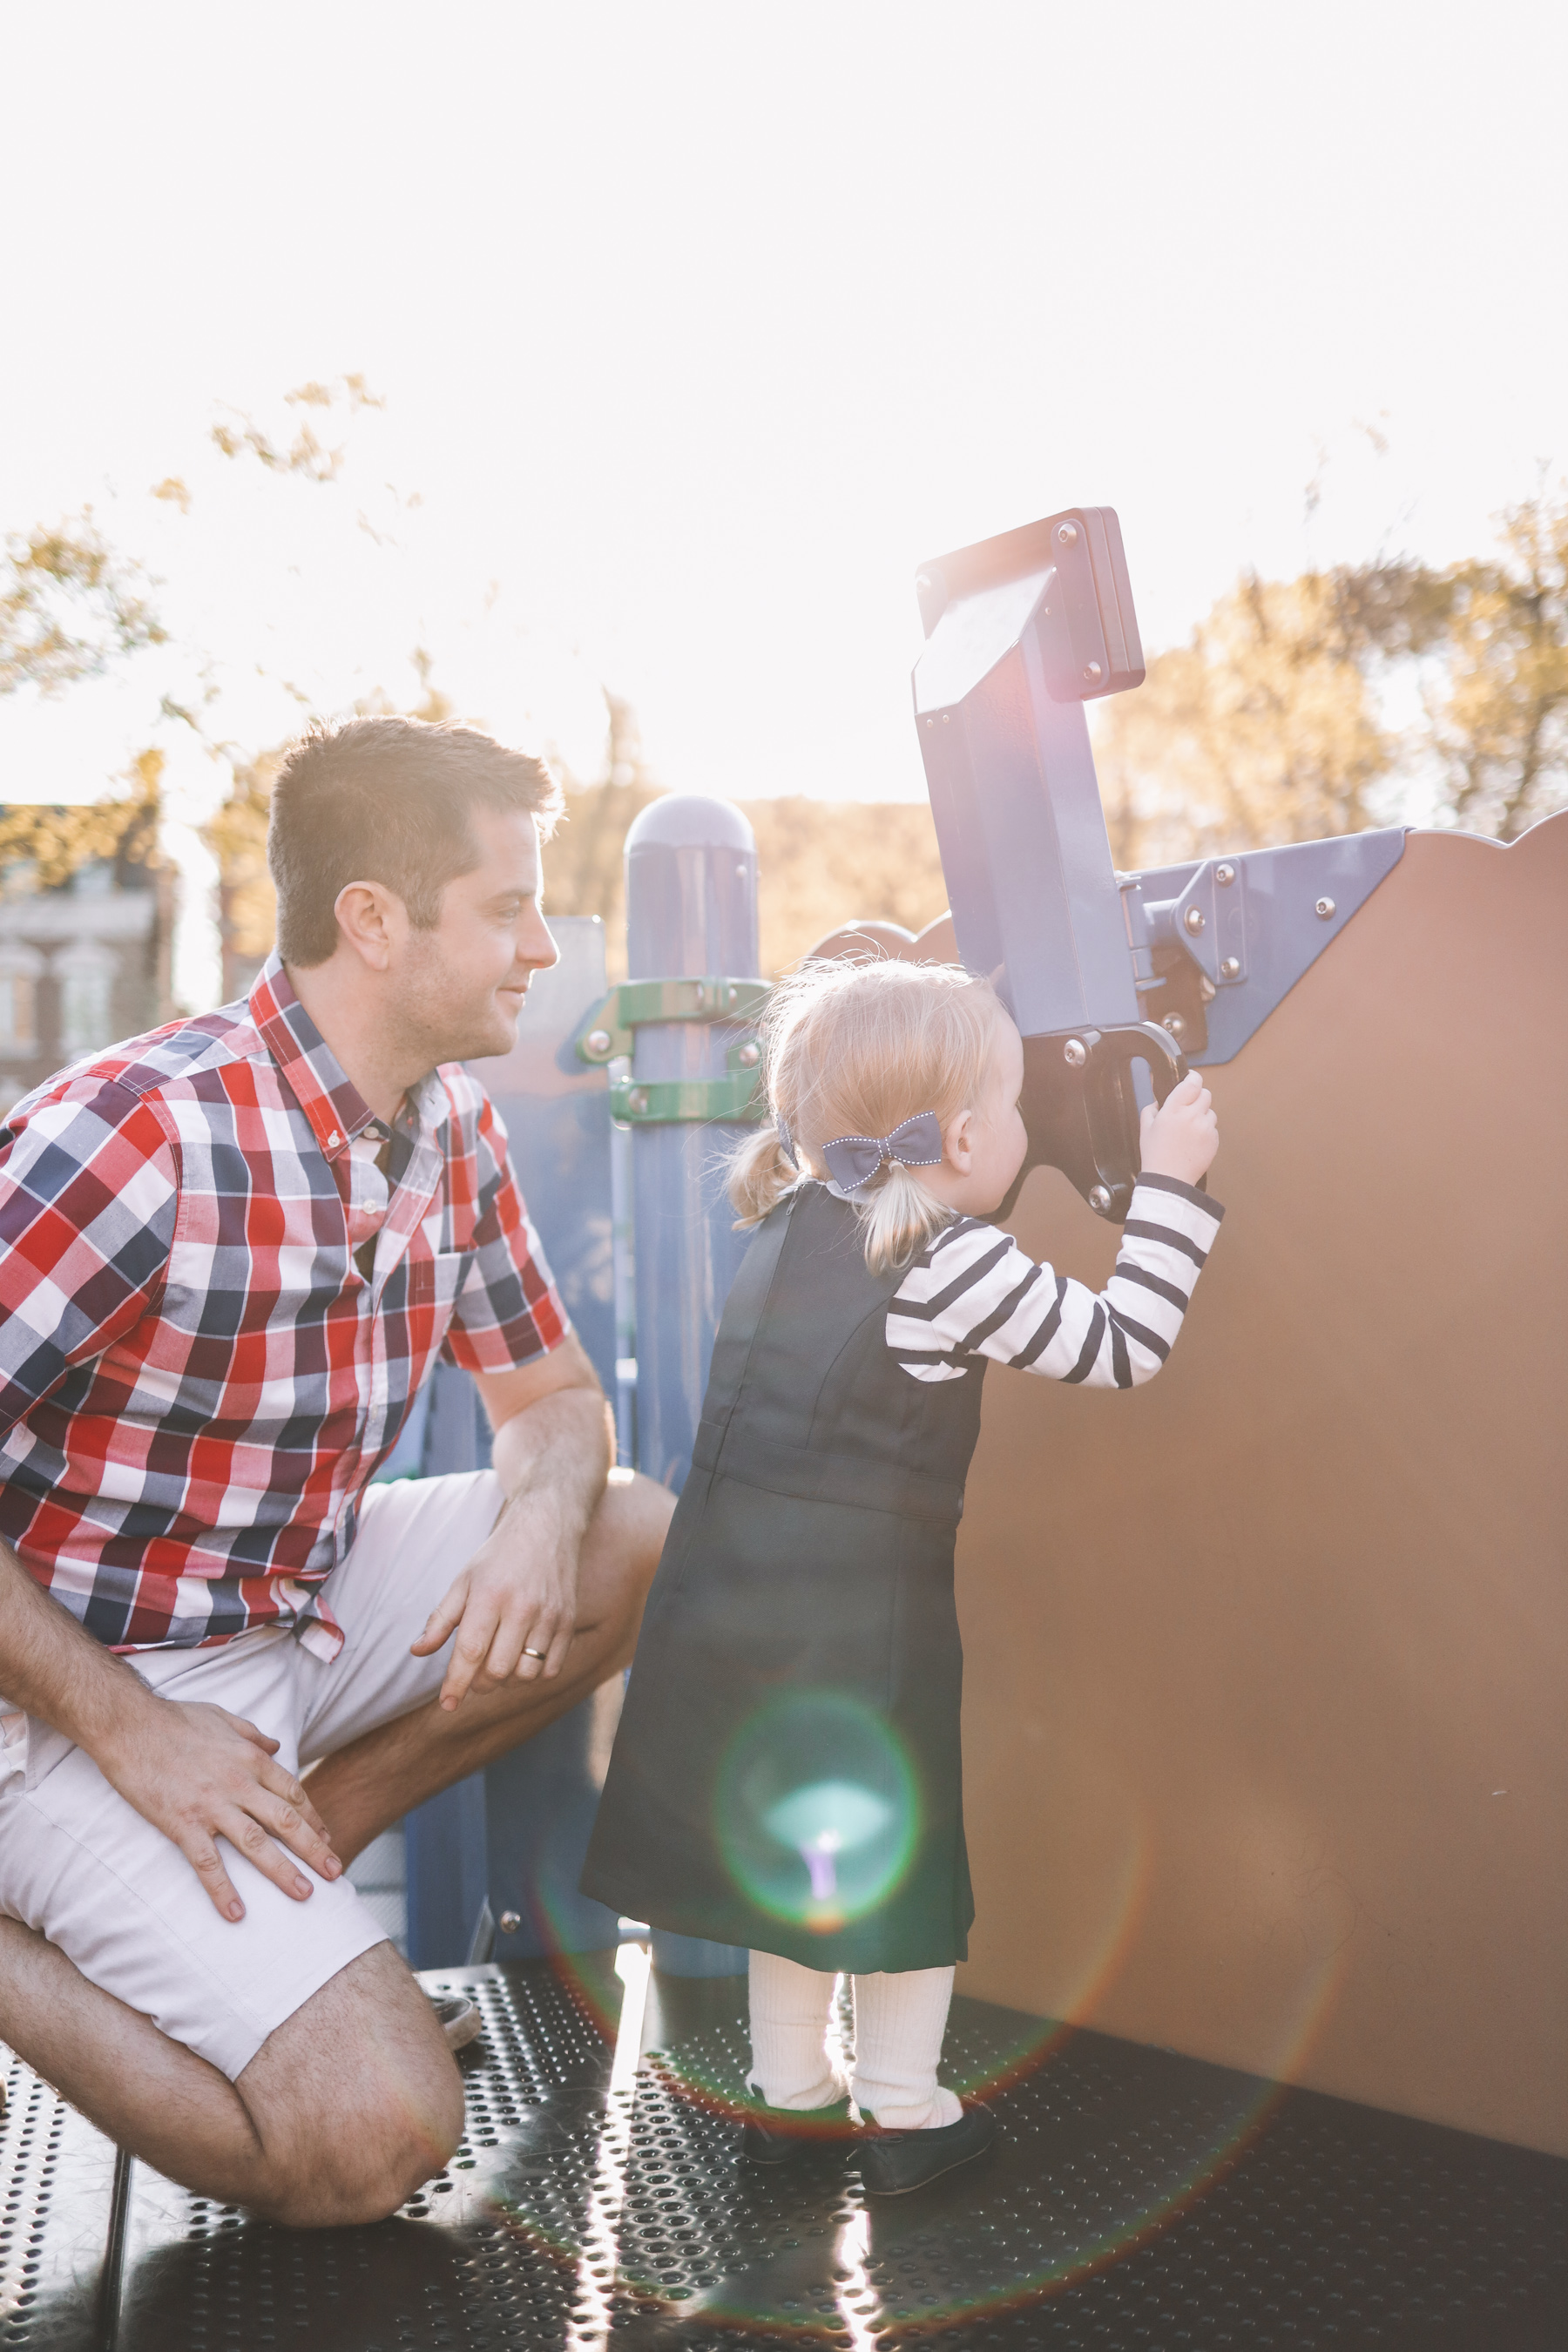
{"type": "Point", "coordinates": [1066, 534]}
{"type": "Point", "coordinates": [1224, 875]}
{"type": "Point", "coordinates": [1092, 673]}
{"type": "Point", "coordinates": [750, 1056]}
{"type": "Point", "coordinates": [922, 579]}
{"type": "Point", "coordinates": [598, 1041]}
{"type": "Point", "coordinates": [743, 873]}
{"type": "Point", "coordinates": [1231, 968]}
{"type": "Point", "coordinates": [637, 1099]}
{"type": "Point", "coordinates": [1074, 1052]}
{"type": "Point", "coordinates": [1325, 908]}
{"type": "Point", "coordinates": [931, 723]}
{"type": "Point", "coordinates": [945, 717]}
{"type": "Point", "coordinates": [509, 1922]}
{"type": "Point", "coordinates": [1100, 1198]}
{"type": "Point", "coordinates": [734, 996]}
{"type": "Point", "coordinates": [1193, 920]}
{"type": "Point", "coordinates": [1175, 1024]}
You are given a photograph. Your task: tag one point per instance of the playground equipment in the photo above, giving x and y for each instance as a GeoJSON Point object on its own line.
{"type": "Point", "coordinates": [1263, 1727]}
{"type": "Point", "coordinates": [1022, 631]}
{"type": "Point", "coordinates": [1265, 1664]}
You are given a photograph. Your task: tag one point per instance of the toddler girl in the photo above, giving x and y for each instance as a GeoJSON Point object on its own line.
{"type": "Point", "coordinates": [786, 1775]}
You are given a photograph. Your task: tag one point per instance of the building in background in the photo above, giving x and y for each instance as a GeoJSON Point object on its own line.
{"type": "Point", "coordinates": [85, 931]}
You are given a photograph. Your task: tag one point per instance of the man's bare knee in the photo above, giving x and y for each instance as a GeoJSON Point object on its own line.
{"type": "Point", "coordinates": [355, 2099]}
{"type": "Point", "coordinates": [621, 1549]}
{"type": "Point", "coordinates": [338, 2170]}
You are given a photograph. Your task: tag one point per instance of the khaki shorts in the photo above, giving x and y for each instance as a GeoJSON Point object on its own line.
{"type": "Point", "coordinates": [80, 1866]}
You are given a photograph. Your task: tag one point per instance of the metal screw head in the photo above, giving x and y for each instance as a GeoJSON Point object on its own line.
{"type": "Point", "coordinates": [922, 581]}
{"type": "Point", "coordinates": [637, 1099]}
{"type": "Point", "coordinates": [1092, 673]}
{"type": "Point", "coordinates": [1066, 534]}
{"type": "Point", "coordinates": [509, 1922]}
{"type": "Point", "coordinates": [1224, 875]}
{"type": "Point", "coordinates": [1325, 908]}
{"type": "Point", "coordinates": [1100, 1198]}
{"type": "Point", "coordinates": [1230, 969]}
{"type": "Point", "coordinates": [749, 1056]}
{"type": "Point", "coordinates": [1193, 920]}
{"type": "Point", "coordinates": [945, 717]}
{"type": "Point", "coordinates": [1175, 1024]}
{"type": "Point", "coordinates": [1074, 1052]}
{"type": "Point", "coordinates": [598, 1041]}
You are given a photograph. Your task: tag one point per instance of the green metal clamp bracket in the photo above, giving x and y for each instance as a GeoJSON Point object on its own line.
{"type": "Point", "coordinates": [609, 1029]}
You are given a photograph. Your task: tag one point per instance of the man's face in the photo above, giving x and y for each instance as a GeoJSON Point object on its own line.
{"type": "Point", "coordinates": [462, 986]}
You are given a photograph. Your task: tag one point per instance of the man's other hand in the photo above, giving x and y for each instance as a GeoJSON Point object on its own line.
{"type": "Point", "coordinates": [198, 1773]}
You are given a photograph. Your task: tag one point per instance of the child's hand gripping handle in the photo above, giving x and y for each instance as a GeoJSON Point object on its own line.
{"type": "Point", "coordinates": [1082, 1116]}
{"type": "Point", "coordinates": [1178, 1132]}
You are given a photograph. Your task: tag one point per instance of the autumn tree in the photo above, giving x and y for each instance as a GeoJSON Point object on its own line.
{"type": "Point", "coordinates": [69, 606]}
{"type": "Point", "coordinates": [585, 871]}
{"type": "Point", "coordinates": [1266, 726]}
{"type": "Point", "coordinates": [1498, 718]}
{"type": "Point", "coordinates": [1263, 728]}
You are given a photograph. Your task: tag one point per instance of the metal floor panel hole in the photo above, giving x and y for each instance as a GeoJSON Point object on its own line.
{"type": "Point", "coordinates": [1135, 2199]}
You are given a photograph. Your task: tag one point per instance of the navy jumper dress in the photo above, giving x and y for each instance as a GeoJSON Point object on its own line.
{"type": "Point", "coordinates": [788, 1773]}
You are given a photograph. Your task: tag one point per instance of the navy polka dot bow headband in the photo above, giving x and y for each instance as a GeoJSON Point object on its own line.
{"type": "Point", "coordinates": [853, 1160]}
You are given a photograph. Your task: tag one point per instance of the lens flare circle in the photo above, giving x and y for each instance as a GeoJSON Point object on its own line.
{"type": "Point", "coordinates": [817, 1810]}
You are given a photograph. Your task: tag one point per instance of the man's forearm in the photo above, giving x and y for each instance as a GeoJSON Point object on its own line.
{"type": "Point", "coordinates": [52, 1669]}
{"type": "Point", "coordinates": [558, 1454]}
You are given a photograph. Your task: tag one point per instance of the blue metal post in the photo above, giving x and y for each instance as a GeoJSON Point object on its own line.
{"type": "Point", "coordinates": [692, 910]}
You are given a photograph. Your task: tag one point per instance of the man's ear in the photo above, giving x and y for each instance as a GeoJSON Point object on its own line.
{"type": "Point", "coordinates": [958, 1141]}
{"type": "Point", "coordinates": [371, 918]}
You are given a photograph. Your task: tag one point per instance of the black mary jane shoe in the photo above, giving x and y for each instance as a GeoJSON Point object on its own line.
{"type": "Point", "coordinates": [781, 2134]}
{"type": "Point", "coordinates": [892, 2163]}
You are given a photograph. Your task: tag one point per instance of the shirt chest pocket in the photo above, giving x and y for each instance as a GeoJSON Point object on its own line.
{"type": "Point", "coordinates": [435, 1283]}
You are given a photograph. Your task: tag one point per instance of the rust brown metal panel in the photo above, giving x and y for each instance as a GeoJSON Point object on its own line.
{"type": "Point", "coordinates": [1266, 1701]}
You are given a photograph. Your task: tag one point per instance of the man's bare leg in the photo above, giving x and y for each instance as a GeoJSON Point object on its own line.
{"type": "Point", "coordinates": [354, 2100]}
{"type": "Point", "coordinates": [374, 1781]}
{"type": "Point", "coordinates": [345, 2110]}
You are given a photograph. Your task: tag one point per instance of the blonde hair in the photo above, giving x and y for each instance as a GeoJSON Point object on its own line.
{"type": "Point", "coordinates": [855, 1049]}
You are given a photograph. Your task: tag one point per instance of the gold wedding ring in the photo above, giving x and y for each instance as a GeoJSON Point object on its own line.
{"type": "Point", "coordinates": [533, 1653]}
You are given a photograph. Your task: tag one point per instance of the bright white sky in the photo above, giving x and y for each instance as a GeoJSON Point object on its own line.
{"type": "Point", "coordinates": [700, 325]}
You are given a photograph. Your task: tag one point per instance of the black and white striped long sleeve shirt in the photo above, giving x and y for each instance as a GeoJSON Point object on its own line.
{"type": "Point", "coordinates": [973, 1293]}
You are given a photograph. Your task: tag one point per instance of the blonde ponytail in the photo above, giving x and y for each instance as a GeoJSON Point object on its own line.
{"type": "Point", "coordinates": [898, 1217]}
{"type": "Point", "coordinates": [761, 1173]}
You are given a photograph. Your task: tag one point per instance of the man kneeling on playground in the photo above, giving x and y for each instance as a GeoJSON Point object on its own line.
{"type": "Point", "coordinates": [230, 1252]}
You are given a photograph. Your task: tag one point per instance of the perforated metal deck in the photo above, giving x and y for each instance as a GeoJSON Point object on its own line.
{"type": "Point", "coordinates": [1135, 2199]}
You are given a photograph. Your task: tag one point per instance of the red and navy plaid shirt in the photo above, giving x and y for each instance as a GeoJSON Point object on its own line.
{"type": "Point", "coordinates": [196, 1376]}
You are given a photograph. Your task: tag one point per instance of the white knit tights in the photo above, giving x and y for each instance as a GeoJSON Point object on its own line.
{"type": "Point", "coordinates": [899, 2024]}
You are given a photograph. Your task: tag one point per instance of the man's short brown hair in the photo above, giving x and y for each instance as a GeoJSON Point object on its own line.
{"type": "Point", "coordinates": [388, 801]}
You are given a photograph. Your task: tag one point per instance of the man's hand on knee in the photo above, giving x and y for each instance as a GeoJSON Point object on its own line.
{"type": "Point", "coordinates": [514, 1608]}
{"type": "Point", "coordinates": [198, 1773]}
